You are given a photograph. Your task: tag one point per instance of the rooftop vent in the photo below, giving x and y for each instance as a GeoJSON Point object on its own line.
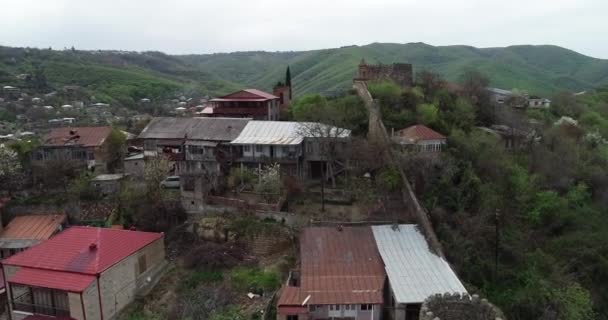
{"type": "Point", "coordinates": [93, 246]}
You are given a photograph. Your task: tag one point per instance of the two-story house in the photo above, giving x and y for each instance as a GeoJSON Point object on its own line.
{"type": "Point", "coordinates": [247, 103]}
{"type": "Point", "coordinates": [82, 147]}
{"type": "Point", "coordinates": [302, 149]}
{"type": "Point", "coordinates": [83, 273]}
{"type": "Point", "coordinates": [198, 149]}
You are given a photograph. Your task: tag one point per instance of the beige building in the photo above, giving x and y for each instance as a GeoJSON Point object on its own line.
{"type": "Point", "coordinates": [83, 273]}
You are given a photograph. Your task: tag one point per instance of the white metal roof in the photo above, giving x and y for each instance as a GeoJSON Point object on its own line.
{"type": "Point", "coordinates": [414, 272]}
{"type": "Point", "coordinates": [285, 132]}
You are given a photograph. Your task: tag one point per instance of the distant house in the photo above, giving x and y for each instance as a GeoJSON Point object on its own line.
{"type": "Point", "coordinates": [341, 277]}
{"type": "Point", "coordinates": [198, 148]}
{"type": "Point", "coordinates": [23, 232]}
{"type": "Point", "coordinates": [536, 102]}
{"type": "Point", "coordinates": [83, 273]}
{"type": "Point", "coordinates": [421, 138]}
{"type": "Point", "coordinates": [82, 147]}
{"type": "Point", "coordinates": [414, 272]}
{"type": "Point", "coordinates": [134, 165]}
{"type": "Point", "coordinates": [296, 146]}
{"type": "Point", "coordinates": [247, 103]}
{"type": "Point", "coordinates": [107, 184]}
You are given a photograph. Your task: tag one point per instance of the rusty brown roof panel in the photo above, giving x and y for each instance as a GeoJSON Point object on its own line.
{"type": "Point", "coordinates": [338, 267]}
{"type": "Point", "coordinates": [33, 227]}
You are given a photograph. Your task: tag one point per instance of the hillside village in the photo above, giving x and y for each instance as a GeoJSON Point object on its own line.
{"type": "Point", "coordinates": [371, 204]}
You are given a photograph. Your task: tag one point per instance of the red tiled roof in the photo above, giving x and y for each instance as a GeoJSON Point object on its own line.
{"type": "Point", "coordinates": [419, 133]}
{"type": "Point", "coordinates": [338, 267]}
{"type": "Point", "coordinates": [247, 95]}
{"type": "Point", "coordinates": [85, 136]}
{"type": "Point", "coordinates": [83, 250]}
{"type": "Point", "coordinates": [66, 281]}
{"type": "Point", "coordinates": [38, 227]}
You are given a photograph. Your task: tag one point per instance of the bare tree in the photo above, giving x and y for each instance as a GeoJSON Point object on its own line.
{"type": "Point", "coordinates": [328, 144]}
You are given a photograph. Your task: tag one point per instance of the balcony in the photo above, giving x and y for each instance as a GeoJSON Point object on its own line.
{"type": "Point", "coordinates": [287, 159]}
{"type": "Point", "coordinates": [26, 303]}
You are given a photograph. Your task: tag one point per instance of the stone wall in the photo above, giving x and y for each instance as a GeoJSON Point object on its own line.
{"type": "Point", "coordinates": [458, 307]}
{"type": "Point", "coordinates": [401, 73]}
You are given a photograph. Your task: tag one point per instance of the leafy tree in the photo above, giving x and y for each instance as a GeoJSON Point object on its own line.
{"type": "Point", "coordinates": [116, 150]}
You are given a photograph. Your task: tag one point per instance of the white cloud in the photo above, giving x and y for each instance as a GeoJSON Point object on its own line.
{"type": "Point", "coordinates": [191, 26]}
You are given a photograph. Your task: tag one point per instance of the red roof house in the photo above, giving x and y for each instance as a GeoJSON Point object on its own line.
{"type": "Point", "coordinates": [247, 103]}
{"type": "Point", "coordinates": [100, 268]}
{"type": "Point", "coordinates": [341, 275]}
{"type": "Point", "coordinates": [25, 231]}
{"type": "Point", "coordinates": [423, 137]}
{"type": "Point", "coordinates": [80, 146]}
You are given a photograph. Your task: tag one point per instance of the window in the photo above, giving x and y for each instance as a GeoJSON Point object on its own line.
{"type": "Point", "coordinates": [366, 307]}
{"type": "Point", "coordinates": [247, 148]}
{"type": "Point", "coordinates": [312, 308]}
{"type": "Point", "coordinates": [334, 307]}
{"type": "Point", "coordinates": [309, 147]}
{"type": "Point", "coordinates": [40, 300]}
{"type": "Point", "coordinates": [292, 317]}
{"type": "Point", "coordinates": [142, 264]}
{"type": "Point", "coordinates": [259, 149]}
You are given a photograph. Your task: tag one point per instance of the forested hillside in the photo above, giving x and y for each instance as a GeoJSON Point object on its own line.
{"type": "Point", "coordinates": [112, 74]}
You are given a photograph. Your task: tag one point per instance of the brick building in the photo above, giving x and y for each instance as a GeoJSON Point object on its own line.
{"type": "Point", "coordinates": [83, 273]}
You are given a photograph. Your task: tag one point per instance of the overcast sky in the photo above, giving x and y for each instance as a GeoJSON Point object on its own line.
{"type": "Point", "coordinates": [207, 26]}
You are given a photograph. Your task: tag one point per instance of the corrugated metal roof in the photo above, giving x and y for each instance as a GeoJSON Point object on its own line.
{"type": "Point", "coordinates": [211, 129]}
{"type": "Point", "coordinates": [31, 227]}
{"type": "Point", "coordinates": [414, 272]}
{"type": "Point", "coordinates": [338, 267]}
{"type": "Point", "coordinates": [85, 136]}
{"type": "Point", "coordinates": [68, 281]}
{"type": "Point", "coordinates": [71, 250]}
{"type": "Point", "coordinates": [285, 132]}
{"type": "Point", "coordinates": [108, 177]}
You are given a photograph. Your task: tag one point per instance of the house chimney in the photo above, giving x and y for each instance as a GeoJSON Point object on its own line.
{"type": "Point", "coordinates": [93, 246]}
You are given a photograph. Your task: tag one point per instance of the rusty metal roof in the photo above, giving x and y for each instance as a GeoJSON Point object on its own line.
{"type": "Point", "coordinates": [25, 231]}
{"type": "Point", "coordinates": [337, 267]}
{"type": "Point", "coordinates": [210, 129]}
{"type": "Point", "coordinates": [80, 136]}
{"type": "Point", "coordinates": [419, 132]}
{"type": "Point", "coordinates": [285, 132]}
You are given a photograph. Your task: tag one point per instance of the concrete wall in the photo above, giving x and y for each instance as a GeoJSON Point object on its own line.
{"type": "Point", "coordinates": [134, 168]}
{"type": "Point", "coordinates": [121, 283]}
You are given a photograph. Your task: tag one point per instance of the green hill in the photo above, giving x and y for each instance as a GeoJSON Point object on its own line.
{"type": "Point", "coordinates": [127, 76]}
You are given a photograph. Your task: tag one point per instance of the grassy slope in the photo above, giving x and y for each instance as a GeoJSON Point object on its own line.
{"type": "Point", "coordinates": [538, 69]}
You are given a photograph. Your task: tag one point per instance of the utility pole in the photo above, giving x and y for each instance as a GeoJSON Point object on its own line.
{"type": "Point", "coordinates": [496, 241]}
{"type": "Point", "coordinates": [322, 188]}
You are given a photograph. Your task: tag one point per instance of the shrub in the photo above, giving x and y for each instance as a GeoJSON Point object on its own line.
{"type": "Point", "coordinates": [214, 256]}
{"type": "Point", "coordinates": [201, 277]}
{"type": "Point", "coordinates": [390, 179]}
{"type": "Point", "coordinates": [254, 280]}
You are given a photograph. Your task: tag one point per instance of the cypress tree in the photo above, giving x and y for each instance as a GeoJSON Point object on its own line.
{"type": "Point", "coordinates": [288, 80]}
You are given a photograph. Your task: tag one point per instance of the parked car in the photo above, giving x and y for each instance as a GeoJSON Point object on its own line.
{"type": "Point", "coordinates": [170, 182]}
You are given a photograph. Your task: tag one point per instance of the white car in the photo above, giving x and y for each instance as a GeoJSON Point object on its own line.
{"type": "Point", "coordinates": [171, 182]}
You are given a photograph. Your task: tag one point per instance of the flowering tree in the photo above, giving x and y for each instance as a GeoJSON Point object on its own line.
{"type": "Point", "coordinates": [10, 169]}
{"type": "Point", "coordinates": [269, 185]}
